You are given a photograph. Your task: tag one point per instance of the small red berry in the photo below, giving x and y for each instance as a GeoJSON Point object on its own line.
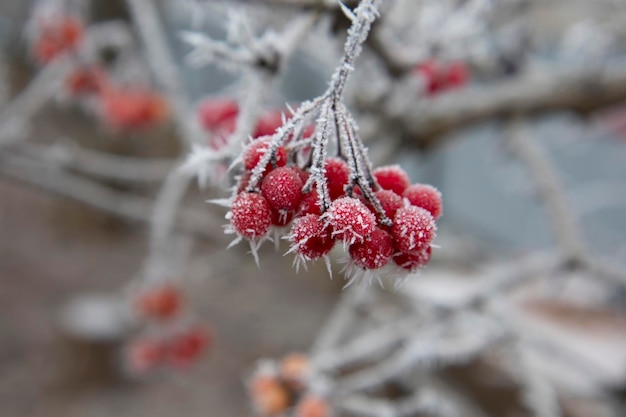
{"type": "Point", "coordinates": [312, 406]}
{"type": "Point", "coordinates": [389, 201]}
{"type": "Point", "coordinates": [160, 303]}
{"type": "Point", "coordinates": [269, 397]}
{"type": "Point", "coordinates": [310, 237]}
{"type": "Point", "coordinates": [133, 109]}
{"type": "Point", "coordinates": [253, 153]}
{"type": "Point", "coordinates": [251, 215]}
{"type": "Point", "coordinates": [350, 220]}
{"type": "Point", "coordinates": [413, 229]}
{"type": "Point", "coordinates": [187, 346]}
{"type": "Point", "coordinates": [374, 252]}
{"type": "Point", "coordinates": [282, 188]}
{"type": "Point", "coordinates": [215, 113]}
{"type": "Point", "coordinates": [430, 72]}
{"type": "Point", "coordinates": [281, 218]}
{"type": "Point", "coordinates": [457, 75]}
{"type": "Point", "coordinates": [268, 123]}
{"type": "Point", "coordinates": [337, 177]}
{"type": "Point", "coordinates": [310, 204]}
{"type": "Point", "coordinates": [392, 177]}
{"type": "Point", "coordinates": [85, 80]}
{"type": "Point", "coordinates": [413, 261]}
{"type": "Point", "coordinates": [144, 354]}
{"type": "Point", "coordinates": [57, 35]}
{"type": "Point", "coordinates": [425, 196]}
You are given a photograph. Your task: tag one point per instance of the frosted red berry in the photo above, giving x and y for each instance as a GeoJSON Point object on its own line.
{"type": "Point", "coordinates": [425, 196]}
{"type": "Point", "coordinates": [282, 188]}
{"type": "Point", "coordinates": [268, 123]}
{"type": "Point", "coordinates": [251, 215]}
{"type": "Point", "coordinates": [310, 204]}
{"type": "Point", "coordinates": [253, 153]}
{"type": "Point", "coordinates": [350, 220]}
{"type": "Point", "coordinates": [413, 229]}
{"type": "Point", "coordinates": [392, 177]}
{"type": "Point", "coordinates": [389, 201]}
{"type": "Point", "coordinates": [374, 251]}
{"type": "Point", "coordinates": [281, 218]}
{"type": "Point", "coordinates": [413, 261]}
{"type": "Point", "coordinates": [310, 237]}
{"type": "Point", "coordinates": [337, 176]}
{"type": "Point", "coordinates": [215, 113]}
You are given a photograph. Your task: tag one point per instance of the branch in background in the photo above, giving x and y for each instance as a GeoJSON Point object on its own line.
{"type": "Point", "coordinates": [124, 205]}
{"type": "Point", "coordinates": [423, 122]}
{"type": "Point", "coordinates": [101, 165]}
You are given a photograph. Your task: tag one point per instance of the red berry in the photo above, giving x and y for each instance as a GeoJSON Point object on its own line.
{"type": "Point", "coordinates": [253, 153]}
{"type": "Point", "coordinates": [389, 201]}
{"type": "Point", "coordinates": [392, 177]}
{"type": "Point", "coordinates": [373, 252]}
{"type": "Point", "coordinates": [188, 346]}
{"type": "Point", "coordinates": [133, 109]}
{"type": "Point", "coordinates": [430, 72]}
{"type": "Point", "coordinates": [268, 123]}
{"type": "Point", "coordinates": [281, 218]}
{"type": "Point", "coordinates": [337, 177]}
{"type": "Point", "coordinates": [310, 237]}
{"type": "Point", "coordinates": [85, 80]}
{"type": "Point", "coordinates": [215, 113]}
{"type": "Point", "coordinates": [412, 261]}
{"type": "Point", "coordinates": [413, 229]}
{"type": "Point", "coordinates": [269, 397]}
{"type": "Point", "coordinates": [251, 215]}
{"type": "Point", "coordinates": [350, 220]}
{"type": "Point", "coordinates": [57, 35]}
{"type": "Point", "coordinates": [282, 188]}
{"type": "Point", "coordinates": [160, 303]}
{"type": "Point", "coordinates": [457, 75]}
{"type": "Point", "coordinates": [144, 354]}
{"type": "Point", "coordinates": [310, 204]}
{"type": "Point", "coordinates": [312, 406]}
{"type": "Point", "coordinates": [425, 196]}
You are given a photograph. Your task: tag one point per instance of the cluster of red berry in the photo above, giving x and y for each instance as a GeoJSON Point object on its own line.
{"type": "Point", "coordinates": [170, 342]}
{"type": "Point", "coordinates": [439, 76]}
{"type": "Point", "coordinates": [276, 387]}
{"type": "Point", "coordinates": [402, 231]}
{"type": "Point", "coordinates": [119, 107]}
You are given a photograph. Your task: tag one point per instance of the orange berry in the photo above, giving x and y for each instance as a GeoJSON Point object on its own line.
{"type": "Point", "coordinates": [269, 396]}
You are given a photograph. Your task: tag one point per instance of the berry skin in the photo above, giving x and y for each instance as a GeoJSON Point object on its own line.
{"type": "Point", "coordinates": [350, 220]}
{"type": "Point", "coordinates": [269, 396]}
{"type": "Point", "coordinates": [85, 80]}
{"type": "Point", "coordinates": [414, 260]}
{"type": "Point", "coordinates": [251, 215]}
{"type": "Point", "coordinates": [430, 72]}
{"type": "Point", "coordinates": [389, 201]}
{"type": "Point", "coordinates": [268, 123]}
{"type": "Point", "coordinates": [160, 303]}
{"type": "Point", "coordinates": [132, 109]}
{"type": "Point", "coordinates": [312, 406]}
{"type": "Point", "coordinates": [374, 252]}
{"type": "Point", "coordinates": [309, 204]}
{"type": "Point", "coordinates": [56, 36]}
{"type": "Point", "coordinates": [456, 75]}
{"type": "Point", "coordinates": [392, 177]}
{"type": "Point", "coordinates": [425, 196]}
{"type": "Point", "coordinates": [413, 229]}
{"type": "Point", "coordinates": [282, 188]}
{"type": "Point", "coordinates": [253, 153]}
{"type": "Point", "coordinates": [215, 113]}
{"type": "Point", "coordinates": [187, 347]}
{"type": "Point", "coordinates": [281, 218]}
{"type": "Point", "coordinates": [310, 237]}
{"type": "Point", "coordinates": [337, 177]}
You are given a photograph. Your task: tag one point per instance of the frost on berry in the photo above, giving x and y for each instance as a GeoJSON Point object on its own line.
{"type": "Point", "coordinates": [413, 229]}
{"type": "Point", "coordinates": [253, 153]}
{"type": "Point", "coordinates": [374, 251]}
{"type": "Point", "coordinates": [389, 201]}
{"type": "Point", "coordinates": [337, 176]}
{"type": "Point", "coordinates": [216, 113]}
{"type": "Point", "coordinates": [268, 123]}
{"type": "Point", "coordinates": [250, 215]}
{"type": "Point", "coordinates": [425, 196]}
{"type": "Point", "coordinates": [312, 406]}
{"type": "Point", "coordinates": [350, 220]}
{"type": "Point", "coordinates": [309, 204]}
{"type": "Point", "coordinates": [282, 188]}
{"type": "Point", "coordinates": [392, 177]}
{"type": "Point", "coordinates": [413, 261]}
{"type": "Point", "coordinates": [310, 238]}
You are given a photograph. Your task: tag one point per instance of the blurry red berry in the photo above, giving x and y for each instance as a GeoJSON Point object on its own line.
{"type": "Point", "coordinates": [268, 123]}
{"type": "Point", "coordinates": [457, 75]}
{"type": "Point", "coordinates": [413, 261]}
{"type": "Point", "coordinates": [216, 113]}
{"type": "Point", "coordinates": [312, 406]}
{"type": "Point", "coordinates": [162, 302]}
{"type": "Point", "coordinates": [133, 109]}
{"type": "Point", "coordinates": [269, 397]}
{"type": "Point", "coordinates": [144, 354]}
{"type": "Point", "coordinates": [294, 370]}
{"type": "Point", "coordinates": [85, 80]}
{"type": "Point", "coordinates": [187, 346]}
{"type": "Point", "coordinates": [57, 35]}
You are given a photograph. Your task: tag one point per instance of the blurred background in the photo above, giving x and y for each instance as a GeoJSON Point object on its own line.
{"type": "Point", "coordinates": [62, 256]}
